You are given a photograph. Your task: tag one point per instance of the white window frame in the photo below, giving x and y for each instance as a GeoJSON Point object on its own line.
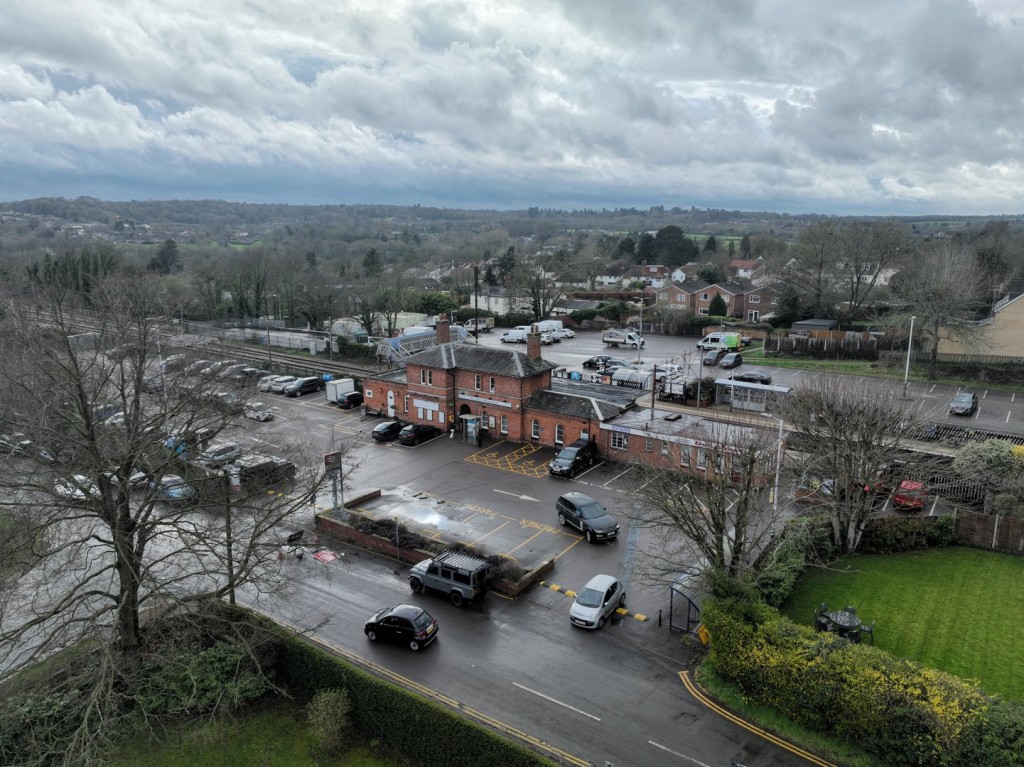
{"type": "Point", "coordinates": [684, 456]}
{"type": "Point", "coordinates": [705, 296]}
{"type": "Point", "coordinates": [504, 424]}
{"type": "Point", "coordinates": [754, 315]}
{"type": "Point", "coordinates": [753, 298]}
{"type": "Point", "coordinates": [702, 458]}
{"type": "Point", "coordinates": [477, 381]}
{"type": "Point", "coordinates": [535, 429]}
{"type": "Point", "coordinates": [702, 310]}
{"type": "Point", "coordinates": [619, 441]}
{"type": "Point", "coordinates": [559, 434]}
{"type": "Point", "coordinates": [493, 382]}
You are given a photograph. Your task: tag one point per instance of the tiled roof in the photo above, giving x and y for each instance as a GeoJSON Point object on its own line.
{"type": "Point", "coordinates": [573, 405]}
{"type": "Point", "coordinates": [484, 359]}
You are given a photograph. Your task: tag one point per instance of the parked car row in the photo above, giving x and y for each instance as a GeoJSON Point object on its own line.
{"type": "Point", "coordinates": [406, 433]}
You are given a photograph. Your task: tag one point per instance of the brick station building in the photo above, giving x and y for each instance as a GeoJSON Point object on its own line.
{"type": "Point", "coordinates": [511, 395]}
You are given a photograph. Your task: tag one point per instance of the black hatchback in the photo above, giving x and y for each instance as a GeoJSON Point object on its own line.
{"type": "Point", "coordinates": [387, 431]}
{"type": "Point", "coordinates": [415, 433]}
{"type": "Point", "coordinates": [404, 624]}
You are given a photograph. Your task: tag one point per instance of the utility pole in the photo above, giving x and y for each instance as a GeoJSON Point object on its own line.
{"type": "Point", "coordinates": [228, 536]}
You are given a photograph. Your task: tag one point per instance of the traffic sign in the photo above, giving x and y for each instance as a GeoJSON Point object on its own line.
{"type": "Point", "coordinates": [332, 460]}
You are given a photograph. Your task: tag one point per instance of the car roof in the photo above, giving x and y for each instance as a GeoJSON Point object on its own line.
{"type": "Point", "coordinates": [600, 582]}
{"type": "Point", "coordinates": [405, 611]}
{"type": "Point", "coordinates": [578, 498]}
{"type": "Point", "coordinates": [964, 395]}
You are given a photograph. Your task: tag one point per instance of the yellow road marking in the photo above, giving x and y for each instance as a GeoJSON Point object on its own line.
{"type": "Point", "coordinates": [492, 531]}
{"type": "Point", "coordinates": [525, 542]}
{"type": "Point", "coordinates": [698, 693]}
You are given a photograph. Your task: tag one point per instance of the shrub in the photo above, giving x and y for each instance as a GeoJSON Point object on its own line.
{"type": "Point", "coordinates": [890, 535]}
{"type": "Point", "coordinates": [898, 710]}
{"type": "Point", "coordinates": [329, 725]}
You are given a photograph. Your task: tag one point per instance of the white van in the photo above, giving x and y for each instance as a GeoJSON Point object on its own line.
{"type": "Point", "coordinates": [515, 336]}
{"type": "Point", "coordinates": [554, 327]}
{"type": "Point", "coordinates": [730, 342]}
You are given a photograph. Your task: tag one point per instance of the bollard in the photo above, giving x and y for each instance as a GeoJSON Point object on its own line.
{"type": "Point", "coordinates": [659, 618]}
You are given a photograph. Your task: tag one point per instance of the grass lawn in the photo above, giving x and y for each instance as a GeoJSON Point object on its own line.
{"type": "Point", "coordinates": [954, 609]}
{"type": "Point", "coordinates": [271, 734]}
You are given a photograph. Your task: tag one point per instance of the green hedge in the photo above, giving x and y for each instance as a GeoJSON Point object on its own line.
{"type": "Point", "coordinates": [890, 535]}
{"type": "Point", "coordinates": [898, 710]}
{"type": "Point", "coordinates": [425, 732]}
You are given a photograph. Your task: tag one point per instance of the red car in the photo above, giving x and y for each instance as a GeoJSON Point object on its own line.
{"type": "Point", "coordinates": [910, 495]}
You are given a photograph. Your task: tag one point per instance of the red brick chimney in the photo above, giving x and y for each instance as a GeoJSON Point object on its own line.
{"type": "Point", "coordinates": [443, 329]}
{"type": "Point", "coordinates": [533, 344]}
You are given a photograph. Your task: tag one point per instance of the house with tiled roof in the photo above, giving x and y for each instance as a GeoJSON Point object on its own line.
{"type": "Point", "coordinates": [652, 275]}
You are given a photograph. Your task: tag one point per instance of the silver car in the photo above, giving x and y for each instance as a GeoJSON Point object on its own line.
{"type": "Point", "coordinates": [601, 597]}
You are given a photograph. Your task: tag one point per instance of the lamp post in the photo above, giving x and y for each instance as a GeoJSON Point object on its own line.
{"type": "Point", "coordinates": [910, 346]}
{"type": "Point", "coordinates": [640, 303]}
{"type": "Point", "coordinates": [778, 463]}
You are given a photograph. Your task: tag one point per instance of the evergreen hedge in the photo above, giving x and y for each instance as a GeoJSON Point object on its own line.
{"type": "Point", "coordinates": [424, 732]}
{"type": "Point", "coordinates": [900, 711]}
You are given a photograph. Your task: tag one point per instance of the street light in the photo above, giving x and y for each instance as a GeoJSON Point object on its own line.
{"type": "Point", "coordinates": [640, 303]}
{"type": "Point", "coordinates": [778, 463]}
{"type": "Point", "coordinates": [910, 346]}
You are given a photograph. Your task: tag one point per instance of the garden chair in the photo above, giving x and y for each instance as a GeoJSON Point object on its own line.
{"type": "Point", "coordinates": [869, 630]}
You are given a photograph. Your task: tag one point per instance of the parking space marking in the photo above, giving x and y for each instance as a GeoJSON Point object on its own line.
{"type": "Point", "coordinates": [539, 532]}
{"type": "Point", "coordinates": [512, 461]}
{"type": "Point", "coordinates": [474, 543]}
{"type": "Point", "coordinates": [572, 595]}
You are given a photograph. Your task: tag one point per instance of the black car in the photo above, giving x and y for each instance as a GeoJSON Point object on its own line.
{"type": "Point", "coordinates": [301, 386]}
{"type": "Point", "coordinates": [574, 458]}
{"type": "Point", "coordinates": [731, 360]}
{"type": "Point", "coordinates": [405, 624]}
{"type": "Point", "coordinates": [350, 400]}
{"type": "Point", "coordinates": [597, 362]}
{"type": "Point", "coordinates": [586, 515]}
{"type": "Point", "coordinates": [964, 403]}
{"type": "Point", "coordinates": [387, 431]}
{"type": "Point", "coordinates": [753, 376]}
{"type": "Point", "coordinates": [414, 433]}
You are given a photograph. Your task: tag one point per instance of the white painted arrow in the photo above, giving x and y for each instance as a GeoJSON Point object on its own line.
{"type": "Point", "coordinates": [520, 497]}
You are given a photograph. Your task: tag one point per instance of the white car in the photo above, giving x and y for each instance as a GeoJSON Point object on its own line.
{"type": "Point", "coordinates": [278, 384]}
{"type": "Point", "coordinates": [568, 333]}
{"type": "Point", "coordinates": [77, 487]}
{"type": "Point", "coordinates": [257, 411]}
{"type": "Point", "coordinates": [601, 597]}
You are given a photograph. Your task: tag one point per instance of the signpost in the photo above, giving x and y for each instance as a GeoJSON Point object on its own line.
{"type": "Point", "coordinates": [332, 463]}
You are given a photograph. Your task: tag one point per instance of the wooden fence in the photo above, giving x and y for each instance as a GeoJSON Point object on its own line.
{"type": "Point", "coordinates": [990, 531]}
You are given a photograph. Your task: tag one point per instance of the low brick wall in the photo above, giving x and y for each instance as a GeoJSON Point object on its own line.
{"type": "Point", "coordinates": [372, 542]}
{"type": "Point", "coordinates": [375, 543]}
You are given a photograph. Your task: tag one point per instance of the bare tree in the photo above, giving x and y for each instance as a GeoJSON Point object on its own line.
{"type": "Point", "coordinates": [537, 286]}
{"type": "Point", "coordinates": [86, 489]}
{"type": "Point", "coordinates": [812, 267]}
{"type": "Point", "coordinates": [946, 287]}
{"type": "Point", "coordinates": [867, 250]}
{"type": "Point", "coordinates": [847, 446]}
{"type": "Point", "coordinates": [723, 520]}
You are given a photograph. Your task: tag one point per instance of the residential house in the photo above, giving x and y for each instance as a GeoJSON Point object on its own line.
{"type": "Point", "coordinates": [611, 278]}
{"type": "Point", "coordinates": [1002, 334]}
{"type": "Point", "coordinates": [732, 293]}
{"type": "Point", "coordinates": [761, 302]}
{"type": "Point", "coordinates": [746, 269]}
{"type": "Point", "coordinates": [678, 296]}
{"type": "Point", "coordinates": [499, 300]}
{"type": "Point", "coordinates": [685, 272]}
{"type": "Point", "coordinates": [652, 275]}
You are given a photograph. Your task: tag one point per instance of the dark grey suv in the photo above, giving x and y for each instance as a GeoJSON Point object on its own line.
{"type": "Point", "coordinates": [574, 458]}
{"type": "Point", "coordinates": [586, 515]}
{"type": "Point", "coordinates": [302, 386]}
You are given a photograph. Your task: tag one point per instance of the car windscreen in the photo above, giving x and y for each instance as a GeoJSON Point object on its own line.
{"type": "Point", "coordinates": [591, 510]}
{"type": "Point", "coordinates": [589, 598]}
{"type": "Point", "coordinates": [567, 454]}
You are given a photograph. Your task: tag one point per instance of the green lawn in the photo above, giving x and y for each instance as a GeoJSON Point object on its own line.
{"type": "Point", "coordinates": [270, 734]}
{"type": "Point", "coordinates": [954, 609]}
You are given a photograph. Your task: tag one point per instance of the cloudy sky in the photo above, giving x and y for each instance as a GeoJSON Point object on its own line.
{"type": "Point", "coordinates": [871, 106]}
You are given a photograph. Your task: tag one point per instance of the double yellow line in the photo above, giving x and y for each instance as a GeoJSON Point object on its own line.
{"type": "Point", "coordinates": [697, 693]}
